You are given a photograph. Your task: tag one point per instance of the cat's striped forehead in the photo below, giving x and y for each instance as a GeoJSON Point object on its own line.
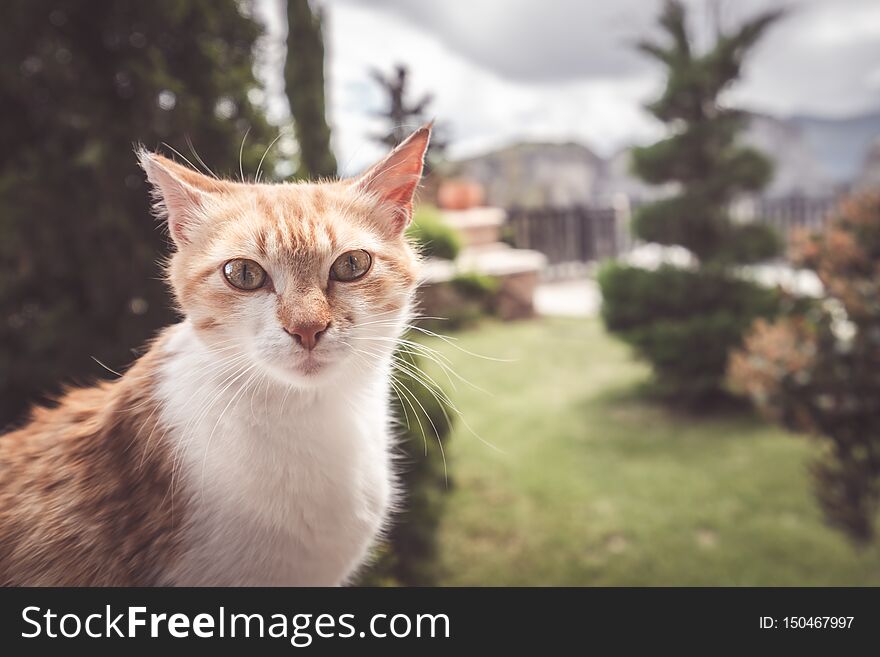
{"type": "Point", "coordinates": [296, 232]}
{"type": "Point", "coordinates": [296, 225]}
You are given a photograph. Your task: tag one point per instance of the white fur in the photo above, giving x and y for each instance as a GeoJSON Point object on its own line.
{"type": "Point", "coordinates": [277, 484]}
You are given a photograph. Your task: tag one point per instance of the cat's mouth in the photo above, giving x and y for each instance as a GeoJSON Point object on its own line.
{"type": "Point", "coordinates": [311, 364]}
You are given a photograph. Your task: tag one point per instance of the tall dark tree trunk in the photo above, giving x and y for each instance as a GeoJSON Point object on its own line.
{"type": "Point", "coordinates": [304, 85]}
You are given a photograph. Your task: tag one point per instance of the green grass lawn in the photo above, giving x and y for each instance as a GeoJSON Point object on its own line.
{"type": "Point", "coordinates": [595, 486]}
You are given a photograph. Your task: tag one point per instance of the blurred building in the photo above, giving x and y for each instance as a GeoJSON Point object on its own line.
{"type": "Point", "coordinates": [813, 157]}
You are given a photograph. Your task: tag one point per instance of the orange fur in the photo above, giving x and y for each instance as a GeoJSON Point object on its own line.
{"type": "Point", "coordinates": [85, 490]}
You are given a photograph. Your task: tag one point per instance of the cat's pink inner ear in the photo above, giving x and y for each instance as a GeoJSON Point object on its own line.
{"type": "Point", "coordinates": [394, 180]}
{"type": "Point", "coordinates": [180, 195]}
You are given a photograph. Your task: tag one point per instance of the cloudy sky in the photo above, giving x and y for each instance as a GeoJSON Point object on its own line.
{"type": "Point", "coordinates": [503, 71]}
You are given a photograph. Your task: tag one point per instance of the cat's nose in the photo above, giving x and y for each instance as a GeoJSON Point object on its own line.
{"type": "Point", "coordinates": [307, 334]}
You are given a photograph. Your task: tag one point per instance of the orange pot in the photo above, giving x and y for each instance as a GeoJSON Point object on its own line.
{"type": "Point", "coordinates": [459, 194]}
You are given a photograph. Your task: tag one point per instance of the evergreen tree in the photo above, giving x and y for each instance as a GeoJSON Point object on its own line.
{"type": "Point", "coordinates": [80, 83]}
{"type": "Point", "coordinates": [404, 116]}
{"type": "Point", "coordinates": [686, 321]}
{"type": "Point", "coordinates": [702, 154]}
{"type": "Point", "coordinates": [304, 77]}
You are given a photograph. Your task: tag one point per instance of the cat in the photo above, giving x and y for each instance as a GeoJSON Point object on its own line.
{"type": "Point", "coordinates": [251, 444]}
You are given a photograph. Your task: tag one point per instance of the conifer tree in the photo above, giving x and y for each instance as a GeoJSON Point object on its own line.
{"type": "Point", "coordinates": [685, 321]}
{"type": "Point", "coordinates": [304, 78]}
{"type": "Point", "coordinates": [403, 116]}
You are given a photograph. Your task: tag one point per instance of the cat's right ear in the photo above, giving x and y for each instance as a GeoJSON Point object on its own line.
{"type": "Point", "coordinates": [181, 196]}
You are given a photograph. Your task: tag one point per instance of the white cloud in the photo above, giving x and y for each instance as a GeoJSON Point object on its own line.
{"type": "Point", "coordinates": [557, 70]}
{"type": "Point", "coordinates": [481, 108]}
{"type": "Point", "coordinates": [819, 59]}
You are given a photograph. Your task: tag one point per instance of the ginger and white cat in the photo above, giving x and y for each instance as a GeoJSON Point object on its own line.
{"type": "Point", "coordinates": [251, 444]}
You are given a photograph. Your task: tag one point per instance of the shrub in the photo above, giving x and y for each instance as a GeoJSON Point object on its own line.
{"type": "Point", "coordinates": [460, 302]}
{"type": "Point", "coordinates": [751, 243]}
{"type": "Point", "coordinates": [407, 556]}
{"type": "Point", "coordinates": [819, 371]}
{"type": "Point", "coordinates": [684, 322]}
{"type": "Point", "coordinates": [478, 287]}
{"type": "Point", "coordinates": [433, 237]}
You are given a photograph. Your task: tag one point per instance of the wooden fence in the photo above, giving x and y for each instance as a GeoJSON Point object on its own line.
{"type": "Point", "coordinates": [566, 236]}
{"type": "Point", "coordinates": [578, 235]}
{"type": "Point", "coordinates": [790, 213]}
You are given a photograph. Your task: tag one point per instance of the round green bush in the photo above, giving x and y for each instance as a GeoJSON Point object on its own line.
{"type": "Point", "coordinates": [684, 322]}
{"type": "Point", "coordinates": [431, 235]}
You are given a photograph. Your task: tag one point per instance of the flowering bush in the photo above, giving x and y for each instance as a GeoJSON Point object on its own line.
{"type": "Point", "coordinates": [820, 372]}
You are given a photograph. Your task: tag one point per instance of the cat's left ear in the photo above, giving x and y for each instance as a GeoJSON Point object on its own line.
{"type": "Point", "coordinates": [181, 196]}
{"type": "Point", "coordinates": [393, 181]}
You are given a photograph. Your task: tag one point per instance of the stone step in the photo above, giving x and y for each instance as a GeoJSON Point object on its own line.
{"type": "Point", "coordinates": [477, 226]}
{"type": "Point", "coordinates": [517, 270]}
{"type": "Point", "coordinates": [496, 259]}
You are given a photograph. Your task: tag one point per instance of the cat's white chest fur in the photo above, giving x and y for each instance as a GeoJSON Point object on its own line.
{"type": "Point", "coordinates": [276, 486]}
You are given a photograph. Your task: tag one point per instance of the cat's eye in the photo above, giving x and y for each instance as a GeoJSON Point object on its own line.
{"type": "Point", "coordinates": [351, 265]}
{"type": "Point", "coordinates": [244, 274]}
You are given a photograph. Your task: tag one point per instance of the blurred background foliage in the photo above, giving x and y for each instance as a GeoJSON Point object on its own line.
{"type": "Point", "coordinates": [433, 236]}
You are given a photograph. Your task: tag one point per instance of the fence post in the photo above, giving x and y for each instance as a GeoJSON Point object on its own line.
{"type": "Point", "coordinates": [621, 209]}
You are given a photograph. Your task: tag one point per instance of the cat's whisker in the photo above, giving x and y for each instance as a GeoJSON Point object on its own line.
{"type": "Point", "coordinates": [441, 397]}
{"type": "Point", "coordinates": [385, 313]}
{"type": "Point", "coordinates": [241, 152]}
{"type": "Point", "coordinates": [196, 419]}
{"type": "Point", "coordinates": [440, 359]}
{"type": "Point", "coordinates": [199, 158]}
{"type": "Point", "coordinates": [434, 427]}
{"type": "Point", "coordinates": [186, 438]}
{"type": "Point", "coordinates": [112, 371]}
{"type": "Point", "coordinates": [210, 369]}
{"type": "Point", "coordinates": [430, 385]}
{"type": "Point", "coordinates": [284, 399]}
{"type": "Point", "coordinates": [460, 415]}
{"type": "Point", "coordinates": [268, 148]}
{"type": "Point", "coordinates": [432, 388]}
{"type": "Point", "coordinates": [450, 340]}
{"type": "Point", "coordinates": [361, 357]}
{"type": "Point", "coordinates": [415, 347]}
{"type": "Point", "coordinates": [395, 386]}
{"type": "Point", "coordinates": [228, 383]}
{"type": "Point", "coordinates": [401, 389]}
{"type": "Point", "coordinates": [180, 155]}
